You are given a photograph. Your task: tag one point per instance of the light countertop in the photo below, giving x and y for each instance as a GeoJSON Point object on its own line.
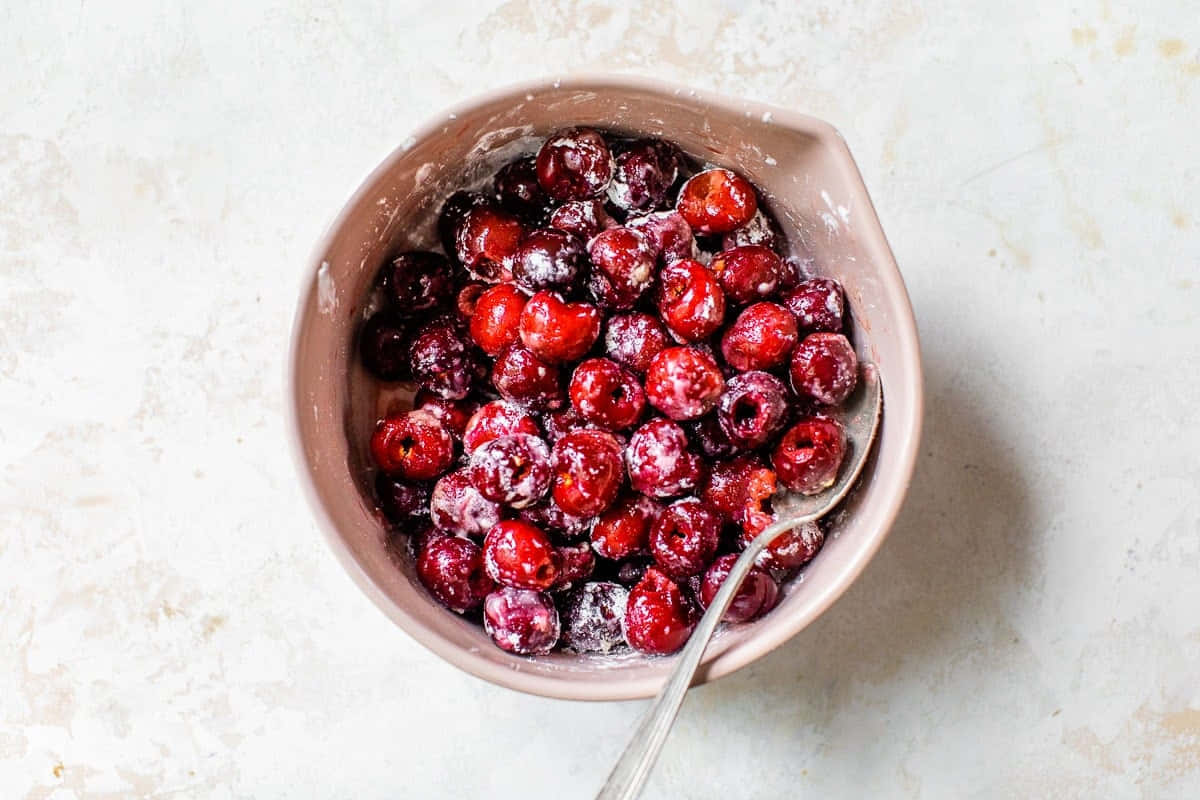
{"type": "Point", "coordinates": [173, 624]}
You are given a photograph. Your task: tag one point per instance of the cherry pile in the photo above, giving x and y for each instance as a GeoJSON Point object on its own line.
{"type": "Point", "coordinates": [616, 371]}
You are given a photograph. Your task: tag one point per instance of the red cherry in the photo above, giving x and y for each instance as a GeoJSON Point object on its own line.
{"type": "Point", "coordinates": [669, 235]}
{"type": "Point", "coordinates": [660, 463]}
{"type": "Point", "coordinates": [623, 263]}
{"type": "Point", "coordinates": [454, 414]}
{"type": "Point", "coordinates": [748, 273]}
{"type": "Point", "coordinates": [549, 259]}
{"type": "Point", "coordinates": [520, 555]}
{"type": "Point", "coordinates": [486, 241]}
{"type": "Point", "coordinates": [756, 596]}
{"type": "Point", "coordinates": [753, 409]}
{"type": "Point", "coordinates": [588, 472]}
{"type": "Point", "coordinates": [790, 550]}
{"type": "Point", "coordinates": [574, 164]}
{"type": "Point", "coordinates": [457, 507]}
{"type": "Point", "coordinates": [685, 537]}
{"type": "Point", "coordinates": [521, 621]}
{"type": "Point", "coordinates": [633, 340]}
{"type": "Point", "coordinates": [659, 617]}
{"type": "Point", "coordinates": [690, 300]}
{"type": "Point", "coordinates": [415, 445]}
{"type": "Point", "coordinates": [556, 331]}
{"type": "Point", "coordinates": [624, 530]}
{"type": "Point", "coordinates": [717, 201]}
{"type": "Point", "coordinates": [584, 218]}
{"type": "Point", "coordinates": [497, 418]}
{"type": "Point", "coordinates": [762, 337]}
{"type": "Point", "coordinates": [809, 455]}
{"type": "Point", "coordinates": [452, 570]}
{"type": "Point", "coordinates": [684, 382]}
{"type": "Point", "coordinates": [819, 305]}
{"type": "Point", "coordinates": [495, 322]}
{"type": "Point", "coordinates": [825, 368]}
{"type": "Point", "coordinates": [606, 394]}
{"type": "Point", "coordinates": [523, 378]}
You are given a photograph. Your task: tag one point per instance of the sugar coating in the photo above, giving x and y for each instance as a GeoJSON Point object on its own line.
{"type": "Point", "coordinates": [592, 617]}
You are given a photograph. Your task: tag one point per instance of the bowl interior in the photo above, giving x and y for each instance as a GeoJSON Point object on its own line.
{"type": "Point", "coordinates": [809, 182]}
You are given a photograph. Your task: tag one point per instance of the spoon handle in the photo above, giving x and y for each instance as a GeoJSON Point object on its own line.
{"type": "Point", "coordinates": [633, 767]}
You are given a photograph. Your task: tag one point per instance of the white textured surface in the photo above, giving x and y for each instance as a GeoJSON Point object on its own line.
{"type": "Point", "coordinates": [173, 625]}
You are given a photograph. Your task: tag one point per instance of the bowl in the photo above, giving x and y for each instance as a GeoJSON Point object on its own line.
{"type": "Point", "coordinates": [808, 180]}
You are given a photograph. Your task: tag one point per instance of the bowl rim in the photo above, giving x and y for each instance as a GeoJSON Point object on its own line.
{"type": "Point", "coordinates": [571, 687]}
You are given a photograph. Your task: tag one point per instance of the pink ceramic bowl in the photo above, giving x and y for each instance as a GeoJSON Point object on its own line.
{"type": "Point", "coordinates": [809, 181]}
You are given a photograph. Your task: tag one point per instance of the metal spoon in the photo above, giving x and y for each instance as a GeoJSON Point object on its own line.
{"type": "Point", "coordinates": [861, 420]}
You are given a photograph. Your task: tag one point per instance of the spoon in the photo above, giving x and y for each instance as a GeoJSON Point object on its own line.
{"type": "Point", "coordinates": [861, 420]}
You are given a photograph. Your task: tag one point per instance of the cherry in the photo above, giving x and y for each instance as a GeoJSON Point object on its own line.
{"type": "Point", "coordinates": [707, 434]}
{"type": "Point", "coordinates": [659, 617]}
{"type": "Point", "coordinates": [442, 361]}
{"type": "Point", "coordinates": [632, 571]}
{"type": "Point", "coordinates": [402, 501]}
{"type": "Point", "coordinates": [383, 345]}
{"type": "Point", "coordinates": [418, 281]}
{"type": "Point", "coordinates": [451, 569]}
{"type": "Point", "coordinates": [521, 621]}
{"type": "Point", "coordinates": [523, 378]}
{"type": "Point", "coordinates": [414, 445]}
{"type": "Point", "coordinates": [454, 414]}
{"type": "Point", "coordinates": [513, 470]}
{"type": "Point", "coordinates": [669, 235]}
{"type": "Point", "coordinates": [457, 507]}
{"type": "Point", "coordinates": [756, 512]}
{"type": "Point", "coordinates": [520, 555]}
{"type": "Point", "coordinates": [685, 537]}
{"type": "Point", "coordinates": [819, 305]}
{"type": "Point", "coordinates": [453, 210]}
{"type": "Point", "coordinates": [690, 300]}
{"type": "Point", "coordinates": [790, 550]}
{"type": "Point", "coordinates": [549, 259]}
{"type": "Point", "coordinates": [577, 563]}
{"type": "Point", "coordinates": [761, 337]}
{"type": "Point", "coordinates": [497, 418]}
{"type": "Point", "coordinates": [683, 382]}
{"type": "Point", "coordinates": [644, 172]}
{"type": "Point", "coordinates": [748, 273]}
{"type": "Point", "coordinates": [725, 491]}
{"type": "Point", "coordinates": [623, 262]}
{"type": "Point", "coordinates": [809, 455]}
{"type": "Point", "coordinates": [556, 331]}
{"type": "Point", "coordinates": [559, 423]}
{"type": "Point", "coordinates": [753, 408]}
{"type": "Point", "coordinates": [574, 164]}
{"type": "Point", "coordinates": [606, 394]}
{"type": "Point", "coordinates": [756, 596]}
{"type": "Point", "coordinates": [584, 218]}
{"type": "Point", "coordinates": [516, 184]}
{"type": "Point", "coordinates": [633, 340]}
{"type": "Point", "coordinates": [486, 240]}
{"type": "Point", "coordinates": [717, 201]}
{"type": "Point", "coordinates": [659, 461]}
{"type": "Point", "coordinates": [624, 529]}
{"type": "Point", "coordinates": [825, 368]}
{"type": "Point", "coordinates": [558, 524]}
{"type": "Point", "coordinates": [592, 616]}
{"type": "Point", "coordinates": [588, 472]}
{"type": "Point", "coordinates": [494, 324]}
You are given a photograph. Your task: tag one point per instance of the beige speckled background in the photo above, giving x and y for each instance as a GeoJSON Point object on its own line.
{"type": "Point", "coordinates": [172, 624]}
